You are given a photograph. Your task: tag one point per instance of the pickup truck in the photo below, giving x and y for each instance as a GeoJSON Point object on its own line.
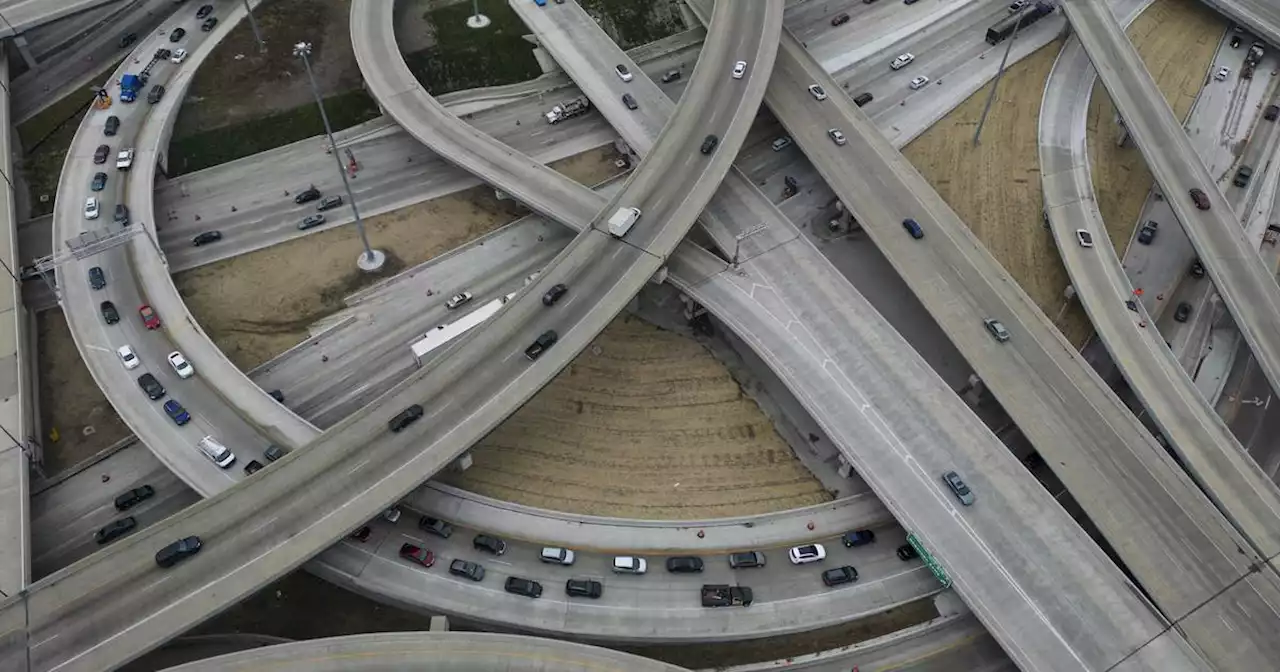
{"type": "Point", "coordinates": [723, 595]}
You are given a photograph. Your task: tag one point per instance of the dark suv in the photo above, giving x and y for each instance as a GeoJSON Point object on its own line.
{"type": "Point", "coordinates": [554, 294]}
{"type": "Point", "coordinates": [907, 552]}
{"type": "Point", "coordinates": [113, 124]}
{"type": "Point", "coordinates": [746, 559]}
{"type": "Point", "coordinates": [155, 94]}
{"type": "Point", "coordinates": [467, 570]}
{"type": "Point", "coordinates": [858, 538]}
{"type": "Point", "coordinates": [109, 312]}
{"type": "Point", "coordinates": [526, 587]}
{"type": "Point", "coordinates": [405, 418]}
{"type": "Point", "coordinates": [122, 214]}
{"type": "Point", "coordinates": [436, 526]}
{"type": "Point", "coordinates": [178, 551]}
{"type": "Point", "coordinates": [128, 500]}
{"type": "Point", "coordinates": [583, 588]}
{"type": "Point", "coordinates": [205, 10]}
{"type": "Point", "coordinates": [489, 544]}
{"type": "Point", "coordinates": [177, 34]}
{"type": "Point", "coordinates": [709, 144]}
{"type": "Point", "coordinates": [684, 565]}
{"type": "Point", "coordinates": [101, 153]}
{"type": "Point", "coordinates": [1182, 312]}
{"type": "Point", "coordinates": [97, 279]}
{"type": "Point", "coordinates": [1201, 201]}
{"type": "Point", "coordinates": [151, 386]}
{"type": "Point", "coordinates": [308, 194]}
{"type": "Point", "coordinates": [541, 345]}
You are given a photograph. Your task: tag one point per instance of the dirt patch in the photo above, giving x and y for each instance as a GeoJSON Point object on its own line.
{"type": "Point", "coordinates": [995, 187]}
{"type": "Point", "coordinates": [70, 400]}
{"type": "Point", "coordinates": [647, 424]}
{"type": "Point", "coordinates": [632, 24]}
{"type": "Point", "coordinates": [588, 168]}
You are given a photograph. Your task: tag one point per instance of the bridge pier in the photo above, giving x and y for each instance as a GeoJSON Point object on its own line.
{"type": "Point", "coordinates": [24, 50]}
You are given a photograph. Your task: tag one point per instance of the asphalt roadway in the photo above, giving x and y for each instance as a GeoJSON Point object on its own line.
{"type": "Point", "coordinates": [21, 15]}
{"type": "Point", "coordinates": [1261, 16]}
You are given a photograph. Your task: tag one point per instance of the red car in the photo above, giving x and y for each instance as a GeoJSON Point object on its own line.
{"type": "Point", "coordinates": [149, 318]}
{"type": "Point", "coordinates": [417, 555]}
{"type": "Point", "coordinates": [1202, 201]}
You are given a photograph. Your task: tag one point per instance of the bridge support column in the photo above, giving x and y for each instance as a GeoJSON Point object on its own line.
{"type": "Point", "coordinates": [463, 462]}
{"type": "Point", "coordinates": [24, 49]}
{"type": "Point", "coordinates": [1123, 139]}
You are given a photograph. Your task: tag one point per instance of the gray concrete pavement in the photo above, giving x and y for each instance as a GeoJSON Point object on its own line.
{"type": "Point", "coordinates": [1261, 16]}
{"type": "Point", "coordinates": [21, 15]}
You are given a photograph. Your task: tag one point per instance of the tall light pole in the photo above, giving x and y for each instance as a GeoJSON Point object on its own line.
{"type": "Point", "coordinates": [371, 260]}
{"type": "Point", "coordinates": [737, 240]}
{"type": "Point", "coordinates": [262, 46]}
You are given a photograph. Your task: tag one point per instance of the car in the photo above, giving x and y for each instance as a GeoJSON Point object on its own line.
{"type": "Point", "coordinates": [208, 24]}
{"type": "Point", "coordinates": [554, 294]}
{"type": "Point", "coordinates": [277, 395]}
{"type": "Point", "coordinates": [457, 300]}
{"type": "Point", "coordinates": [839, 19]}
{"type": "Point", "coordinates": [1222, 74]}
{"type": "Point", "coordinates": [709, 144]}
{"type": "Point", "coordinates": [111, 126]}
{"type": "Point", "coordinates": [1017, 6]}
{"type": "Point", "coordinates": [858, 538]}
{"type": "Point", "coordinates": [329, 203]}
{"type": "Point", "coordinates": [101, 153]}
{"type": "Point", "coordinates": [91, 209]}
{"type": "Point", "coordinates": [274, 452]}
{"type": "Point", "coordinates": [176, 412]}
{"type": "Point", "coordinates": [99, 182]}
{"type": "Point", "coordinates": [583, 588]}
{"type": "Point", "coordinates": [177, 34]}
{"type": "Point", "coordinates": [97, 279]}
{"type": "Point", "coordinates": [909, 2]}
{"type": "Point", "coordinates": [252, 468]}
{"type": "Point", "coordinates": [902, 61]}
{"type": "Point", "coordinates": [1235, 41]}
{"type": "Point", "coordinates": [996, 327]}
{"type": "Point", "coordinates": [907, 552]}
{"type": "Point", "coordinates": [1201, 201]}
{"type": "Point", "coordinates": [162, 54]}
{"type": "Point", "coordinates": [178, 551]}
{"type": "Point", "coordinates": [179, 55]}
{"type": "Point", "coordinates": [1197, 268]}
{"type": "Point", "coordinates": [803, 555]}
{"type": "Point", "coordinates": [361, 535]}
{"type": "Point", "coordinates": [685, 564]}
{"type": "Point", "coordinates": [308, 194]}
{"type": "Point", "coordinates": [780, 143]}
{"type": "Point", "coordinates": [149, 317]}
{"type": "Point", "coordinates": [435, 526]}
{"type": "Point", "coordinates": [1272, 113]}
{"type": "Point", "coordinates": [556, 556]}
{"type": "Point", "coordinates": [817, 92]}
{"type": "Point", "coordinates": [206, 237]}
{"type": "Point", "coordinates": [205, 10]}
{"type": "Point", "coordinates": [310, 222]}
{"type": "Point", "coordinates": [739, 69]}
{"type": "Point", "coordinates": [837, 136]}
{"type": "Point", "coordinates": [1182, 312]}
{"type": "Point", "coordinates": [155, 94]}
{"type": "Point", "coordinates": [131, 498]}
{"type": "Point", "coordinates": [467, 570]}
{"type": "Point", "coordinates": [671, 76]}
{"type": "Point", "coordinates": [913, 228]}
{"type": "Point", "coordinates": [124, 159]}
{"type": "Point", "coordinates": [152, 387]}
{"type": "Point", "coordinates": [1243, 174]}
{"type": "Point", "coordinates": [1148, 232]}
{"type": "Point", "coordinates": [623, 73]}
{"type": "Point", "coordinates": [127, 358]}
{"type": "Point", "coordinates": [518, 586]}
{"type": "Point", "coordinates": [109, 312]}
{"type": "Point", "coordinates": [958, 487]}
{"type": "Point", "coordinates": [630, 101]}
{"type": "Point", "coordinates": [405, 418]}
{"type": "Point", "coordinates": [1084, 238]}
{"type": "Point", "coordinates": [127, 39]}
{"type": "Point", "coordinates": [918, 83]}
{"type": "Point", "coordinates": [391, 515]}
{"type": "Point", "coordinates": [489, 544]}
{"type": "Point", "coordinates": [746, 560]}
{"type": "Point", "coordinates": [417, 555]}
{"type": "Point", "coordinates": [122, 214]}
{"type": "Point", "coordinates": [839, 576]}
{"type": "Point", "coordinates": [541, 344]}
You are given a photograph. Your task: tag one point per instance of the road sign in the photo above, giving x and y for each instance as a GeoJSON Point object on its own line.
{"type": "Point", "coordinates": [929, 561]}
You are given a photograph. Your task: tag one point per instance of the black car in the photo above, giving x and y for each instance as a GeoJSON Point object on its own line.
{"type": "Point", "coordinates": [208, 24]}
{"type": "Point", "coordinates": [840, 19]}
{"type": "Point", "coordinates": [112, 125]}
{"type": "Point", "coordinates": [163, 54]}
{"type": "Point", "coordinates": [206, 238]}
{"type": "Point", "coordinates": [554, 294]}
{"type": "Point", "coordinates": [277, 395]}
{"type": "Point", "coordinates": [274, 452]}
{"type": "Point", "coordinates": [1242, 176]}
{"type": "Point", "coordinates": [583, 588]}
{"type": "Point", "coordinates": [489, 544]}
{"type": "Point", "coordinates": [630, 101]}
{"type": "Point", "coordinates": [252, 468]}
{"type": "Point", "coordinates": [858, 538]}
{"type": "Point", "coordinates": [122, 214]}
{"type": "Point", "coordinates": [671, 76]}
{"type": "Point", "coordinates": [1198, 197]}
{"type": "Point", "coordinates": [405, 418]}
{"type": "Point", "coordinates": [435, 526]}
{"type": "Point", "coordinates": [1235, 41]}
{"type": "Point", "coordinates": [1197, 268]}
{"type": "Point", "coordinates": [686, 564]}
{"type": "Point", "coordinates": [310, 222]}
{"type": "Point", "coordinates": [97, 279]}
{"type": "Point", "coordinates": [907, 552]}
{"type": "Point", "coordinates": [128, 39]}
{"type": "Point", "coordinates": [709, 144]}
{"type": "Point", "coordinates": [526, 587]}
{"type": "Point", "coordinates": [467, 570]}
{"type": "Point", "coordinates": [177, 551]}
{"type": "Point", "coordinates": [101, 153]}
{"type": "Point", "coordinates": [329, 203]}
{"type": "Point", "coordinates": [177, 34]}
{"type": "Point", "coordinates": [205, 10]}
{"type": "Point", "coordinates": [131, 498]}
{"type": "Point", "coordinates": [308, 194]}
{"type": "Point", "coordinates": [114, 530]}
{"type": "Point", "coordinates": [1183, 312]}
{"type": "Point", "coordinates": [151, 386]}
{"type": "Point", "coordinates": [839, 576]}
{"type": "Point", "coordinates": [109, 312]}
{"type": "Point", "coordinates": [155, 94]}
{"type": "Point", "coordinates": [99, 182]}
{"type": "Point", "coordinates": [541, 345]}
{"type": "Point", "coordinates": [1148, 233]}
{"type": "Point", "coordinates": [362, 534]}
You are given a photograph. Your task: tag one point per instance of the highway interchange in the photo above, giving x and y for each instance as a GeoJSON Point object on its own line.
{"type": "Point", "coordinates": [768, 265]}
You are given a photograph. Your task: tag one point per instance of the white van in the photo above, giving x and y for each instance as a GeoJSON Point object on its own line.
{"type": "Point", "coordinates": [622, 221]}
{"type": "Point", "coordinates": [216, 452]}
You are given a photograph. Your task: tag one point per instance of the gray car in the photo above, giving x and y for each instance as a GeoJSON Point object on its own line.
{"type": "Point", "coordinates": [310, 222]}
{"type": "Point", "coordinates": [958, 487]}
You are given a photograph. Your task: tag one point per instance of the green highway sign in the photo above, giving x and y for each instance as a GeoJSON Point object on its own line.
{"type": "Point", "coordinates": [929, 561]}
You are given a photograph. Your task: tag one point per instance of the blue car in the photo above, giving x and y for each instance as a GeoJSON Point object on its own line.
{"type": "Point", "coordinates": [177, 412]}
{"type": "Point", "coordinates": [913, 228]}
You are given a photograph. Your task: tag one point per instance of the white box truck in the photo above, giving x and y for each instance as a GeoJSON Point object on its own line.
{"type": "Point", "coordinates": [216, 452]}
{"type": "Point", "coordinates": [622, 221]}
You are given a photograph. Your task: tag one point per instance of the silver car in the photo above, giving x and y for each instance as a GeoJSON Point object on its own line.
{"type": "Point", "coordinates": [958, 487]}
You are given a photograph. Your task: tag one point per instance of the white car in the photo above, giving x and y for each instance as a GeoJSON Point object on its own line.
{"type": "Point", "coordinates": [803, 555]}
{"type": "Point", "coordinates": [739, 69]}
{"type": "Point", "coordinates": [837, 136]}
{"type": "Point", "coordinates": [124, 160]}
{"type": "Point", "coordinates": [817, 92]}
{"type": "Point", "coordinates": [181, 365]}
{"type": "Point", "coordinates": [457, 300]}
{"type": "Point", "coordinates": [1221, 74]}
{"type": "Point", "coordinates": [1084, 238]}
{"type": "Point", "coordinates": [1017, 6]}
{"type": "Point", "coordinates": [902, 60]}
{"type": "Point", "coordinates": [629, 564]}
{"type": "Point", "coordinates": [623, 73]}
{"type": "Point", "coordinates": [919, 82]}
{"type": "Point", "coordinates": [127, 357]}
{"type": "Point", "coordinates": [392, 514]}
{"type": "Point", "coordinates": [91, 210]}
{"type": "Point", "coordinates": [178, 55]}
